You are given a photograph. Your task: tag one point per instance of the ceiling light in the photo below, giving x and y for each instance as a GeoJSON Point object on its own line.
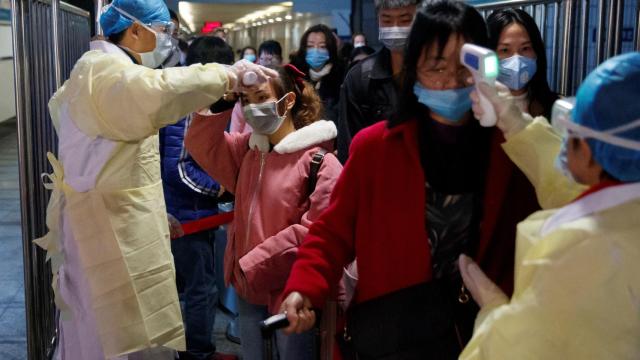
{"type": "Point", "coordinates": [271, 21]}
{"type": "Point", "coordinates": [288, 17]}
{"type": "Point", "coordinates": [278, 19]}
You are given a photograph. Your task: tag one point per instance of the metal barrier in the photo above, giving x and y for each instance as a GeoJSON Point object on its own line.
{"type": "Point", "coordinates": [48, 38]}
{"type": "Point", "coordinates": [579, 34]}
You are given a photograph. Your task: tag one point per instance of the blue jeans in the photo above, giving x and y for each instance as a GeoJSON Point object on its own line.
{"type": "Point", "coordinates": [193, 255]}
{"type": "Point", "coordinates": [288, 347]}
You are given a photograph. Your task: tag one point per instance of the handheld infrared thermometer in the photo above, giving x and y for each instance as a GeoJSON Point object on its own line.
{"type": "Point", "coordinates": [250, 78]}
{"type": "Point", "coordinates": [483, 64]}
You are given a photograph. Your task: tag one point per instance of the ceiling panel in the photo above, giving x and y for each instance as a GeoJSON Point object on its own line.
{"type": "Point", "coordinates": [196, 14]}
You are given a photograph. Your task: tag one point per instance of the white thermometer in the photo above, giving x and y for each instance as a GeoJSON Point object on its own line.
{"type": "Point", "coordinates": [483, 64]}
{"type": "Point", "coordinates": [250, 78]}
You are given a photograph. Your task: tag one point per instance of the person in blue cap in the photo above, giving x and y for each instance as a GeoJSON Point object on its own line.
{"type": "Point", "coordinates": [577, 289]}
{"type": "Point", "coordinates": [114, 275]}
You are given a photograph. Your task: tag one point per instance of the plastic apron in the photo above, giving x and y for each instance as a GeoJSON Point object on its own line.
{"type": "Point", "coordinates": [114, 277]}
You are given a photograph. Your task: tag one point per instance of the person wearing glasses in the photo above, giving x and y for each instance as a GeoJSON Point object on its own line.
{"type": "Point", "coordinates": [576, 286]}
{"type": "Point", "coordinates": [114, 275]}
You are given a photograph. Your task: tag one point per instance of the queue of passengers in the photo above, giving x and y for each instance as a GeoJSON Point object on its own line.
{"type": "Point", "coordinates": [370, 205]}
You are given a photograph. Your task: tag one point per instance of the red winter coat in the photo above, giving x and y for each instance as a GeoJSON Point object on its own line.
{"type": "Point", "coordinates": [377, 213]}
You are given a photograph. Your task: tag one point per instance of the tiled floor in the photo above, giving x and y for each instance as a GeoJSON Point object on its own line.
{"type": "Point", "coordinates": [13, 343]}
{"type": "Point", "coordinates": [12, 317]}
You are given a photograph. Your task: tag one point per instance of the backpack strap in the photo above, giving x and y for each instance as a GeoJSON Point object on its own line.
{"type": "Point", "coordinates": [314, 168]}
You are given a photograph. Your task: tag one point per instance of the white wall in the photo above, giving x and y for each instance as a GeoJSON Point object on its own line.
{"type": "Point", "coordinates": [7, 95]}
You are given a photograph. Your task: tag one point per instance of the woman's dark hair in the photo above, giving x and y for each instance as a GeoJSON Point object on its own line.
{"type": "Point", "coordinates": [434, 23]}
{"type": "Point", "coordinates": [270, 47]}
{"type": "Point", "coordinates": [300, 60]}
{"type": "Point", "coordinates": [308, 106]}
{"type": "Point", "coordinates": [209, 49]}
{"type": "Point", "coordinates": [248, 48]}
{"type": "Point", "coordinates": [539, 90]}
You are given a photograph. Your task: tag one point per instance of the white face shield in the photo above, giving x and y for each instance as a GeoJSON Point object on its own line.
{"type": "Point", "coordinates": [163, 30]}
{"type": "Point", "coordinates": [563, 125]}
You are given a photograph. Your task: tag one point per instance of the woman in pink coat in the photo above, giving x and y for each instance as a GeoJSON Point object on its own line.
{"type": "Point", "coordinates": [270, 172]}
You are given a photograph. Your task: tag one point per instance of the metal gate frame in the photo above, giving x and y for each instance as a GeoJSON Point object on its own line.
{"type": "Point", "coordinates": [48, 38]}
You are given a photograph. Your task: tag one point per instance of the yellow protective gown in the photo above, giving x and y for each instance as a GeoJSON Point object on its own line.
{"type": "Point", "coordinates": [577, 268]}
{"type": "Point", "coordinates": [109, 236]}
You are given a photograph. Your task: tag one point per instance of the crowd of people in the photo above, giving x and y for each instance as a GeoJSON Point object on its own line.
{"type": "Point", "coordinates": [370, 205]}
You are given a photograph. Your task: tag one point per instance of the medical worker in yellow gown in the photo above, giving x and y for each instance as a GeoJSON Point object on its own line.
{"type": "Point", "coordinates": [577, 268]}
{"type": "Point", "coordinates": [109, 236]}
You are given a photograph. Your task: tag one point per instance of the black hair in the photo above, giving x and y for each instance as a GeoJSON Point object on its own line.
{"type": "Point", "coordinates": [362, 50]}
{"type": "Point", "coordinates": [248, 48]}
{"type": "Point", "coordinates": [116, 38]}
{"type": "Point", "coordinates": [539, 90]}
{"type": "Point", "coordinates": [270, 47]}
{"type": "Point", "coordinates": [434, 23]}
{"type": "Point", "coordinates": [208, 49]}
{"type": "Point", "coordinates": [300, 58]}
{"type": "Point", "coordinates": [174, 16]}
{"type": "Point", "coordinates": [353, 37]}
{"type": "Point", "coordinates": [345, 51]}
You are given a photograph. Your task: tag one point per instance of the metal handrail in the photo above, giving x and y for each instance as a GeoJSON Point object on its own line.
{"type": "Point", "coordinates": [510, 3]}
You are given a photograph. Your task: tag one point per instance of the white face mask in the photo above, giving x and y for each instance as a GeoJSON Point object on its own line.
{"type": "Point", "coordinates": [358, 44]}
{"type": "Point", "coordinates": [152, 59]}
{"type": "Point", "coordinates": [264, 118]}
{"type": "Point", "coordinates": [394, 37]}
{"type": "Point", "coordinates": [174, 57]}
{"type": "Point", "coordinates": [157, 56]}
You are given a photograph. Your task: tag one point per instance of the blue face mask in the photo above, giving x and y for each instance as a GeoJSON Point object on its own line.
{"type": "Point", "coordinates": [517, 71]}
{"type": "Point", "coordinates": [450, 104]}
{"type": "Point", "coordinates": [316, 58]}
{"type": "Point", "coordinates": [250, 57]}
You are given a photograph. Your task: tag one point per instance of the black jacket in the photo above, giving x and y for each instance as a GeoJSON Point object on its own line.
{"type": "Point", "coordinates": [329, 90]}
{"type": "Point", "coordinates": [368, 95]}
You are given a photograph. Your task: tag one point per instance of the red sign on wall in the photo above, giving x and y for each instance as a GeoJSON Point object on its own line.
{"type": "Point", "coordinates": [209, 26]}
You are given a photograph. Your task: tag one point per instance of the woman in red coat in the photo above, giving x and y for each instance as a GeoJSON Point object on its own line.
{"type": "Point", "coordinates": [417, 191]}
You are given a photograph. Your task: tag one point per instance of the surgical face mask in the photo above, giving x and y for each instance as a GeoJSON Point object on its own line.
{"type": "Point", "coordinates": [394, 37]}
{"type": "Point", "coordinates": [451, 104]}
{"type": "Point", "coordinates": [153, 59]}
{"type": "Point", "coordinates": [317, 58]}
{"type": "Point", "coordinates": [175, 57]}
{"type": "Point", "coordinates": [358, 44]}
{"type": "Point", "coordinates": [157, 56]}
{"type": "Point", "coordinates": [517, 71]}
{"type": "Point", "coordinates": [250, 57]}
{"type": "Point", "coordinates": [264, 118]}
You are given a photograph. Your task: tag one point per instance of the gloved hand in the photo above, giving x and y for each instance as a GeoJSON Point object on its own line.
{"type": "Point", "coordinates": [484, 291]}
{"type": "Point", "coordinates": [510, 119]}
{"type": "Point", "coordinates": [299, 313]}
{"type": "Point", "coordinates": [236, 73]}
{"type": "Point", "coordinates": [175, 228]}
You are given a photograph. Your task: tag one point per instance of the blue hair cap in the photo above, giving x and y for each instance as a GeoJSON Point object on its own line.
{"type": "Point", "coordinates": [608, 98]}
{"type": "Point", "coordinates": [147, 11]}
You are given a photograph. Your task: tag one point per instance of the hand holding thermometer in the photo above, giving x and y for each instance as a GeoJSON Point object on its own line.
{"type": "Point", "coordinates": [483, 64]}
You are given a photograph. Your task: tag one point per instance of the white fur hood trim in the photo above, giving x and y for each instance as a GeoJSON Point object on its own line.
{"type": "Point", "coordinates": [313, 134]}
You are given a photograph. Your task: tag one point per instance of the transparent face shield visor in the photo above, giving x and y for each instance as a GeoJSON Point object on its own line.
{"type": "Point", "coordinates": [157, 27]}
{"type": "Point", "coordinates": [561, 120]}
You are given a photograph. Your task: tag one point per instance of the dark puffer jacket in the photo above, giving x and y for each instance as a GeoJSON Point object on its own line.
{"type": "Point", "coordinates": [189, 192]}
